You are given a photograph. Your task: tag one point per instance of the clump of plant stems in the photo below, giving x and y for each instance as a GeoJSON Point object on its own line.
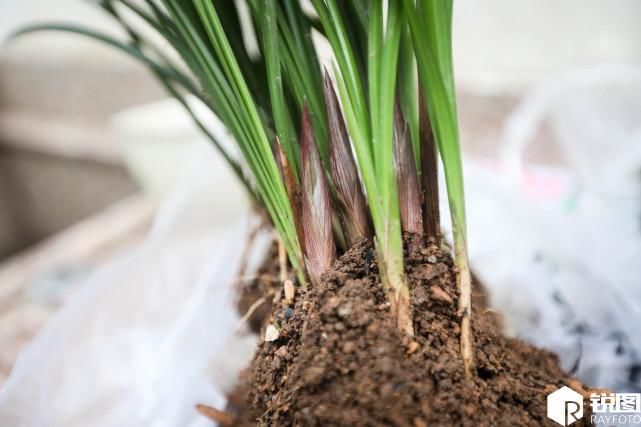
{"type": "Point", "coordinates": [328, 169]}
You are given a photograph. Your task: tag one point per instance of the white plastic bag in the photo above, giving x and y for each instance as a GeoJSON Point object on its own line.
{"type": "Point", "coordinates": [135, 346]}
{"type": "Point", "coordinates": [562, 259]}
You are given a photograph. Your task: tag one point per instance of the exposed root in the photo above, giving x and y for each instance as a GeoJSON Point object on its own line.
{"type": "Point", "coordinates": [250, 311]}
{"type": "Point", "coordinates": [244, 260]}
{"type": "Point", "coordinates": [398, 294]}
{"type": "Point", "coordinates": [223, 419]}
{"type": "Point", "coordinates": [255, 277]}
{"type": "Point", "coordinates": [404, 312]}
{"type": "Point", "coordinates": [399, 298]}
{"type": "Point", "coordinates": [465, 311]}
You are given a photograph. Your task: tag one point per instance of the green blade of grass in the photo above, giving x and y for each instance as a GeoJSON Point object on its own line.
{"type": "Point", "coordinates": [257, 81]}
{"type": "Point", "coordinates": [408, 91]}
{"type": "Point", "coordinates": [301, 31]}
{"type": "Point", "coordinates": [375, 57]}
{"type": "Point", "coordinates": [129, 49]}
{"type": "Point", "coordinates": [218, 89]}
{"type": "Point", "coordinates": [140, 41]}
{"type": "Point", "coordinates": [282, 119]}
{"type": "Point", "coordinates": [256, 144]}
{"type": "Point", "coordinates": [300, 68]}
{"type": "Point", "coordinates": [432, 40]}
{"type": "Point", "coordinates": [330, 17]}
{"type": "Point", "coordinates": [231, 111]}
{"type": "Point", "coordinates": [350, 87]}
{"type": "Point", "coordinates": [297, 32]}
{"type": "Point", "coordinates": [372, 131]}
{"type": "Point", "coordinates": [383, 56]}
{"type": "Point", "coordinates": [356, 20]}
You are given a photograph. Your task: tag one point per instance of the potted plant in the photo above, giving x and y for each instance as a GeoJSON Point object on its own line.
{"type": "Point", "coordinates": [375, 323]}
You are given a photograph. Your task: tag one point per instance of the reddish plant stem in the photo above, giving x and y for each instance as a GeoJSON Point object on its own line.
{"type": "Point", "coordinates": [429, 173]}
{"type": "Point", "coordinates": [316, 210]}
{"type": "Point", "coordinates": [348, 194]}
{"type": "Point", "coordinates": [409, 194]}
{"type": "Point", "coordinates": [293, 191]}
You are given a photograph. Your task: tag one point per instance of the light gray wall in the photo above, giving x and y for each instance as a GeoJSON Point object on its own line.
{"type": "Point", "coordinates": [510, 44]}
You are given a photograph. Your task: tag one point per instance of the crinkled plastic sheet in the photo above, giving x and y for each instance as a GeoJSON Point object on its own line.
{"type": "Point", "coordinates": [149, 334]}
{"type": "Point", "coordinates": [559, 248]}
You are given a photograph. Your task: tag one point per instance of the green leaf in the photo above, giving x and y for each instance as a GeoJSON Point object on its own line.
{"type": "Point", "coordinates": [432, 44]}
{"type": "Point", "coordinates": [282, 118]}
{"type": "Point", "coordinates": [129, 49]}
{"type": "Point", "coordinates": [255, 143]}
{"type": "Point", "coordinates": [383, 56]}
{"type": "Point", "coordinates": [408, 91]}
{"type": "Point", "coordinates": [338, 37]}
{"type": "Point", "coordinates": [431, 27]}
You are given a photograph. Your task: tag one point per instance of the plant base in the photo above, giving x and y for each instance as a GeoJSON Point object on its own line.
{"type": "Point", "coordinates": [340, 360]}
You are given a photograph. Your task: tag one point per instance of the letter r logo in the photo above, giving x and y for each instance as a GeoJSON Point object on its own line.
{"type": "Point", "coordinates": [565, 406]}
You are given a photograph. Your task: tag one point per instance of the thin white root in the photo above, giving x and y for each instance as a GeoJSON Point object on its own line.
{"type": "Point", "coordinates": [466, 345]}
{"type": "Point", "coordinates": [465, 311]}
{"type": "Point", "coordinates": [399, 297]}
{"type": "Point", "coordinates": [249, 313]}
{"type": "Point", "coordinates": [253, 277]}
{"type": "Point", "coordinates": [403, 309]}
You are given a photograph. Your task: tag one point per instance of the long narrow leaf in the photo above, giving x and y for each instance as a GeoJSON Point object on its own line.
{"type": "Point", "coordinates": [255, 143]}
{"type": "Point", "coordinates": [282, 119]}
{"type": "Point", "coordinates": [130, 50]}
{"type": "Point", "coordinates": [408, 91]}
{"type": "Point", "coordinates": [431, 28]}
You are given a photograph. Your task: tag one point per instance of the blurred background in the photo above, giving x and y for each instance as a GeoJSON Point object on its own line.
{"type": "Point", "coordinates": [88, 146]}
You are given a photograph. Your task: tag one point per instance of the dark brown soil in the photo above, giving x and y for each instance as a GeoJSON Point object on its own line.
{"type": "Point", "coordinates": [339, 360]}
